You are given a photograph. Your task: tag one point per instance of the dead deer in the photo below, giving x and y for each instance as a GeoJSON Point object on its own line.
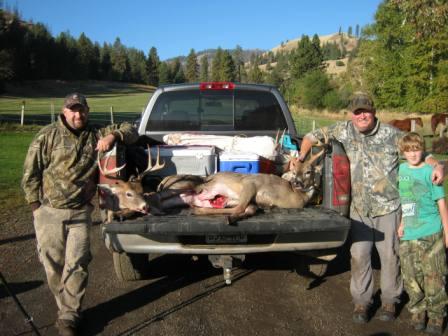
{"type": "Point", "coordinates": [292, 169]}
{"type": "Point", "coordinates": [124, 198]}
{"type": "Point", "coordinates": [239, 195]}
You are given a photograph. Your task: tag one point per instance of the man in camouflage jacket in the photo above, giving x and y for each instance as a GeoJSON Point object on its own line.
{"type": "Point", "coordinates": [59, 181]}
{"type": "Point", "coordinates": [372, 148]}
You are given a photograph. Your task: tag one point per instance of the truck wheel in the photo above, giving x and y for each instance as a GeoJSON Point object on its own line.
{"type": "Point", "coordinates": [130, 266]}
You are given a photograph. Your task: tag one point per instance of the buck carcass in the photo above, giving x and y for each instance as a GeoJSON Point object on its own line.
{"type": "Point", "coordinates": [176, 191]}
{"type": "Point", "coordinates": [239, 195]}
{"type": "Point", "coordinates": [124, 198]}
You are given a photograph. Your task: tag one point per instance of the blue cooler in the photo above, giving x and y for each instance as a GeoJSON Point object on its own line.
{"type": "Point", "coordinates": [246, 163]}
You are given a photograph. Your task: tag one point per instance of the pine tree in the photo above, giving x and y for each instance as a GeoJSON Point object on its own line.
{"type": "Point", "coordinates": [105, 62]}
{"type": "Point", "coordinates": [349, 31]}
{"type": "Point", "coordinates": [120, 61]}
{"type": "Point", "coordinates": [227, 67]}
{"type": "Point", "coordinates": [85, 56]}
{"type": "Point", "coordinates": [192, 67]}
{"type": "Point", "coordinates": [152, 67]}
{"type": "Point", "coordinates": [357, 30]}
{"type": "Point", "coordinates": [307, 56]}
{"type": "Point", "coordinates": [239, 63]}
{"type": "Point", "coordinates": [255, 75]}
{"type": "Point", "coordinates": [177, 72]}
{"type": "Point", "coordinates": [164, 73]}
{"type": "Point", "coordinates": [217, 65]}
{"type": "Point", "coordinates": [137, 62]}
{"type": "Point", "coordinates": [204, 69]}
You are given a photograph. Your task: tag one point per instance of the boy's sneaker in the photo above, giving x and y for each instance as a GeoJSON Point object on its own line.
{"type": "Point", "coordinates": [387, 312]}
{"type": "Point", "coordinates": [418, 321]}
{"type": "Point", "coordinates": [360, 313]}
{"type": "Point", "coordinates": [435, 326]}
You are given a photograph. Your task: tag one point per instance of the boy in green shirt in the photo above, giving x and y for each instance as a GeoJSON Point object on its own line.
{"type": "Point", "coordinates": [423, 237]}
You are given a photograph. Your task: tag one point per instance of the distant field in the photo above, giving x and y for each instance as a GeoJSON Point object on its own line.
{"type": "Point", "coordinates": [14, 146]}
{"type": "Point", "coordinates": [43, 98]}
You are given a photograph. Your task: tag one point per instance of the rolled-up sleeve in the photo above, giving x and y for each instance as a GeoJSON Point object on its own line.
{"type": "Point", "coordinates": [124, 131]}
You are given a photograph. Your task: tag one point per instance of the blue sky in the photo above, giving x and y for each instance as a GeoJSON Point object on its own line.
{"type": "Point", "coordinates": [175, 26]}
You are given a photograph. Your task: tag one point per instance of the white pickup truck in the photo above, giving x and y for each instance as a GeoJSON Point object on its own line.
{"type": "Point", "coordinates": [221, 108]}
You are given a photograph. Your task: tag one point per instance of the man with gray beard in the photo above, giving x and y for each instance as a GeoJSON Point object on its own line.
{"type": "Point", "coordinates": [372, 148]}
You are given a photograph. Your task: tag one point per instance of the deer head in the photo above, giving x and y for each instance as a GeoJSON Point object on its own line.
{"type": "Point", "coordinates": [122, 195]}
{"type": "Point", "coordinates": [302, 174]}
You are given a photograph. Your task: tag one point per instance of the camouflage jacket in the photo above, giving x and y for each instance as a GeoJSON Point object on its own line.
{"type": "Point", "coordinates": [374, 161]}
{"type": "Point", "coordinates": [60, 169]}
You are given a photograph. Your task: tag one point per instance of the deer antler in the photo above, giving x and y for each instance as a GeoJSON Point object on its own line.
{"type": "Point", "coordinates": [278, 137]}
{"type": "Point", "coordinates": [150, 167]}
{"type": "Point", "coordinates": [108, 172]}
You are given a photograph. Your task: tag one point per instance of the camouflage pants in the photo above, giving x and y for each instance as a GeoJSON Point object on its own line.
{"type": "Point", "coordinates": [423, 266]}
{"type": "Point", "coordinates": [63, 244]}
{"type": "Point", "coordinates": [367, 233]}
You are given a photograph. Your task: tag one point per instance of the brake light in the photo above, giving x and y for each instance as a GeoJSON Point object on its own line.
{"type": "Point", "coordinates": [217, 86]}
{"type": "Point", "coordinates": [341, 180]}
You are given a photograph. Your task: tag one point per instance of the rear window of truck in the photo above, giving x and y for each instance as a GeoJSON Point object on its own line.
{"type": "Point", "coordinates": [216, 110]}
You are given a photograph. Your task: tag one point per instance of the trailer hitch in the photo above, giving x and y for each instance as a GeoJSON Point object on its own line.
{"type": "Point", "coordinates": [226, 262]}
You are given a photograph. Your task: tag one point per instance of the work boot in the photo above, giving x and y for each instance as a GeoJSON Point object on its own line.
{"type": "Point", "coordinates": [435, 326]}
{"type": "Point", "coordinates": [66, 327]}
{"type": "Point", "coordinates": [418, 321]}
{"type": "Point", "coordinates": [387, 312]}
{"type": "Point", "coordinates": [360, 313]}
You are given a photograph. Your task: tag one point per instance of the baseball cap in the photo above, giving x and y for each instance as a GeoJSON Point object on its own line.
{"type": "Point", "coordinates": [361, 101]}
{"type": "Point", "coordinates": [75, 99]}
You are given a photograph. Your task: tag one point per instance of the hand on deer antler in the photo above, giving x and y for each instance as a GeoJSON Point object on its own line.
{"type": "Point", "coordinates": [106, 143]}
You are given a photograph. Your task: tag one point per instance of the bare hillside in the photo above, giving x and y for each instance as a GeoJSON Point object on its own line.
{"type": "Point", "coordinates": [349, 42]}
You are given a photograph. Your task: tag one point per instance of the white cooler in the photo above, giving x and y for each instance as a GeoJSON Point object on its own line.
{"type": "Point", "coordinates": [194, 160]}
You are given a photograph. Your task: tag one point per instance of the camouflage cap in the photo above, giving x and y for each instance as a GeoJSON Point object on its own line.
{"type": "Point", "coordinates": [361, 101]}
{"type": "Point", "coordinates": [75, 99]}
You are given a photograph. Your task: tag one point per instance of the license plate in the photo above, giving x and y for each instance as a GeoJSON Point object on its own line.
{"type": "Point", "coordinates": [226, 239]}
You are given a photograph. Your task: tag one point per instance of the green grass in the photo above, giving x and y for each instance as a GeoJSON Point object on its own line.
{"type": "Point", "coordinates": [41, 97]}
{"type": "Point", "coordinates": [14, 146]}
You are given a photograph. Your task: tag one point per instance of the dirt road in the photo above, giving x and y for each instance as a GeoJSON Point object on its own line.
{"type": "Point", "coordinates": [184, 297]}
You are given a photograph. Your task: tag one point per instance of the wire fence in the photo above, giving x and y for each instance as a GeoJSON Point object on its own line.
{"type": "Point", "coordinates": [44, 116]}
{"type": "Point", "coordinates": [97, 118]}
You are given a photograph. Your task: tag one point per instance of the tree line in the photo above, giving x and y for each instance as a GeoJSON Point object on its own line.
{"type": "Point", "coordinates": [401, 60]}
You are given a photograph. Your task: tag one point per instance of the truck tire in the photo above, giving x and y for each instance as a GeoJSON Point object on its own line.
{"type": "Point", "coordinates": [130, 266]}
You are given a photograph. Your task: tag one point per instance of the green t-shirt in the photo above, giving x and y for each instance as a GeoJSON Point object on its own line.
{"type": "Point", "coordinates": [419, 197]}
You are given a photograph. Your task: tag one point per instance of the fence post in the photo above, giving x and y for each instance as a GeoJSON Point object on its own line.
{"type": "Point", "coordinates": [52, 112]}
{"type": "Point", "coordinates": [22, 115]}
{"type": "Point", "coordinates": [314, 125]}
{"type": "Point", "coordinates": [111, 114]}
{"type": "Point", "coordinates": [412, 125]}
